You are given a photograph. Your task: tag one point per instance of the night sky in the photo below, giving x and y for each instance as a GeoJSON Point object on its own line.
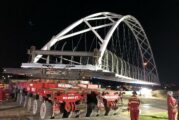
{"type": "Point", "coordinates": [25, 23]}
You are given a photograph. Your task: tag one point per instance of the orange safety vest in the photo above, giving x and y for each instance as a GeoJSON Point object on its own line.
{"type": "Point", "coordinates": [171, 102]}
{"type": "Point", "coordinates": [134, 103]}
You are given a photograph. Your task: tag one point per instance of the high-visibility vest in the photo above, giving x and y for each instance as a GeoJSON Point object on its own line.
{"type": "Point", "coordinates": [172, 103]}
{"type": "Point", "coordinates": [134, 103]}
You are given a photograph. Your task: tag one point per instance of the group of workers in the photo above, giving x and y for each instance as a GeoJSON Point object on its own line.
{"type": "Point", "coordinates": [172, 105]}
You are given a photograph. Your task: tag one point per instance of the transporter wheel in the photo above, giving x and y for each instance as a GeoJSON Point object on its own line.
{"type": "Point", "coordinates": [15, 92]}
{"type": "Point", "coordinates": [21, 99]}
{"type": "Point", "coordinates": [45, 110]}
{"type": "Point", "coordinates": [25, 101]}
{"type": "Point", "coordinates": [36, 106]}
{"type": "Point", "coordinates": [29, 104]}
{"type": "Point", "coordinates": [18, 98]}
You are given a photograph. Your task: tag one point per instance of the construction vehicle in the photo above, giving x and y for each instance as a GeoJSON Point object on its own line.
{"type": "Point", "coordinates": [59, 99]}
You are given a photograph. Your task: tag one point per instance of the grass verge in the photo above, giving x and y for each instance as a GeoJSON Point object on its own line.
{"type": "Point", "coordinates": [155, 116]}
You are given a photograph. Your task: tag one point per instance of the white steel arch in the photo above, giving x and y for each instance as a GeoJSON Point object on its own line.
{"type": "Point", "coordinates": [136, 28]}
{"type": "Point", "coordinates": [60, 36]}
{"type": "Point", "coordinates": [140, 42]}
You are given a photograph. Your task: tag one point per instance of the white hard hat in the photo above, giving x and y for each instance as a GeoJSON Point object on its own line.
{"type": "Point", "coordinates": [170, 93]}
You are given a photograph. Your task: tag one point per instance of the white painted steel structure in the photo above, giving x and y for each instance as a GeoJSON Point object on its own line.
{"type": "Point", "coordinates": [148, 71]}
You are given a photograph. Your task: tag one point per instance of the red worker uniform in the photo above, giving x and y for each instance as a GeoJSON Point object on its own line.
{"type": "Point", "coordinates": [133, 106]}
{"type": "Point", "coordinates": [177, 97]}
{"type": "Point", "coordinates": [2, 93]}
{"type": "Point", "coordinates": [172, 106]}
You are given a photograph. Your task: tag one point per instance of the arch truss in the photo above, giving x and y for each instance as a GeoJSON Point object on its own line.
{"type": "Point", "coordinates": [117, 43]}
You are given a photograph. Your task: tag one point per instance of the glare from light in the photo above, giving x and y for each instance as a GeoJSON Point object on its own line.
{"type": "Point", "coordinates": [9, 76]}
{"type": "Point", "coordinates": [146, 92]}
{"type": "Point", "coordinates": [146, 105]}
{"type": "Point", "coordinates": [145, 63]}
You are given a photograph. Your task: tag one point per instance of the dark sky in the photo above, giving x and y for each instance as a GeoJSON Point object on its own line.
{"type": "Point", "coordinates": [25, 23]}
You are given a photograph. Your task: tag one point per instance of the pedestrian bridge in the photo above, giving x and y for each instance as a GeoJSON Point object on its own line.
{"type": "Point", "coordinates": [104, 41]}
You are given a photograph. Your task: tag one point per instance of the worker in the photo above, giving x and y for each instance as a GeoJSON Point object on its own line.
{"type": "Point", "coordinates": [177, 98]}
{"type": "Point", "coordinates": [172, 106]}
{"type": "Point", "coordinates": [133, 106]}
{"type": "Point", "coordinates": [121, 94]}
{"type": "Point", "coordinates": [91, 102]}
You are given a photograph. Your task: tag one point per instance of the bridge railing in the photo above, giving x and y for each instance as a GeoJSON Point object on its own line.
{"type": "Point", "coordinates": [112, 63]}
